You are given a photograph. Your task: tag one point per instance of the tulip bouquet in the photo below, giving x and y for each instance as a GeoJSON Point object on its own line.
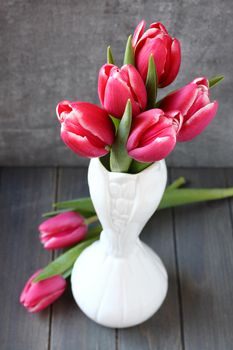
{"type": "Point", "coordinates": [128, 133]}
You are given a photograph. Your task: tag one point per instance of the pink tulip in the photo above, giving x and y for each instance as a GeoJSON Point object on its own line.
{"type": "Point", "coordinates": [85, 128]}
{"type": "Point", "coordinates": [36, 296]}
{"type": "Point", "coordinates": [117, 85]}
{"type": "Point", "coordinates": [194, 103]}
{"type": "Point", "coordinates": [165, 50]}
{"type": "Point", "coordinates": [62, 230]}
{"type": "Point", "coordinates": [153, 135]}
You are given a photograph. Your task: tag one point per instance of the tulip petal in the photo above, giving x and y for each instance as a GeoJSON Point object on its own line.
{"type": "Point", "coordinates": [138, 32]}
{"type": "Point", "coordinates": [81, 145]}
{"type": "Point", "coordinates": [197, 122]}
{"type": "Point", "coordinates": [65, 239]}
{"type": "Point", "coordinates": [141, 123]}
{"type": "Point", "coordinates": [159, 26]}
{"type": "Point", "coordinates": [201, 81]}
{"type": "Point", "coordinates": [117, 94]}
{"type": "Point", "coordinates": [181, 99]}
{"type": "Point", "coordinates": [95, 121]}
{"type": "Point", "coordinates": [157, 48]}
{"type": "Point", "coordinates": [37, 296]}
{"type": "Point", "coordinates": [201, 101]}
{"type": "Point", "coordinates": [104, 74]}
{"type": "Point", "coordinates": [156, 150]}
{"type": "Point", "coordinates": [63, 107]}
{"type": "Point", "coordinates": [27, 286]}
{"type": "Point", "coordinates": [173, 65]}
{"type": "Point", "coordinates": [45, 302]}
{"type": "Point", "coordinates": [138, 88]}
{"type": "Point", "coordinates": [61, 222]}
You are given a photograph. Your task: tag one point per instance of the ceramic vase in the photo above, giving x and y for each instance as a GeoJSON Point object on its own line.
{"type": "Point", "coordinates": [119, 281]}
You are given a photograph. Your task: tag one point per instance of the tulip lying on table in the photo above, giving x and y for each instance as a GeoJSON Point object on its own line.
{"type": "Point", "coordinates": [62, 230]}
{"type": "Point", "coordinates": [36, 296]}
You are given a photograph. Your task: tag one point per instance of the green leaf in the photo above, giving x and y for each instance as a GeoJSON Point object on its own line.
{"type": "Point", "coordinates": [176, 184]}
{"type": "Point", "coordinates": [116, 122]}
{"type": "Point", "coordinates": [214, 81]}
{"type": "Point", "coordinates": [65, 261]}
{"type": "Point", "coordinates": [105, 160]}
{"type": "Point", "coordinates": [151, 83]}
{"type": "Point", "coordinates": [83, 204]}
{"type": "Point", "coordinates": [136, 167]}
{"type": "Point", "coordinates": [67, 273]}
{"type": "Point", "coordinates": [129, 52]}
{"type": "Point", "coordinates": [119, 159]}
{"type": "Point", "coordinates": [94, 231]}
{"type": "Point", "coordinates": [173, 198]}
{"type": "Point", "coordinates": [50, 214]}
{"type": "Point", "coordinates": [110, 58]}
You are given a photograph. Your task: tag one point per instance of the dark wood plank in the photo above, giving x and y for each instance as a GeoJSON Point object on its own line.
{"type": "Point", "coordinates": [205, 260]}
{"type": "Point", "coordinates": [162, 331]}
{"type": "Point", "coordinates": [25, 194]}
{"type": "Point", "coordinates": [71, 329]}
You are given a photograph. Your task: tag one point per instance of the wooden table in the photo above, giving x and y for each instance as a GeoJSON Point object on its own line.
{"type": "Point", "coordinates": [195, 243]}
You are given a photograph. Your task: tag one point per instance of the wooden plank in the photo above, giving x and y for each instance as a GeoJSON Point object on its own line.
{"type": "Point", "coordinates": [162, 331]}
{"type": "Point", "coordinates": [25, 194]}
{"type": "Point", "coordinates": [205, 261]}
{"type": "Point", "coordinates": [71, 329]}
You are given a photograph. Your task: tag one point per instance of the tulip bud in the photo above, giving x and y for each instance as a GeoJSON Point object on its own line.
{"type": "Point", "coordinates": [85, 128]}
{"type": "Point", "coordinates": [194, 103]}
{"type": "Point", "coordinates": [165, 50]}
{"type": "Point", "coordinates": [117, 85]}
{"type": "Point", "coordinates": [153, 135]}
{"type": "Point", "coordinates": [62, 230]}
{"type": "Point", "coordinates": [36, 296]}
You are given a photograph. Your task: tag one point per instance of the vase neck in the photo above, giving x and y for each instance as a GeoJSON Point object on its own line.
{"type": "Point", "coordinates": [119, 245]}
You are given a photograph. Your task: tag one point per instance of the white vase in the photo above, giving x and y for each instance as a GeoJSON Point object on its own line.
{"type": "Point", "coordinates": [119, 281]}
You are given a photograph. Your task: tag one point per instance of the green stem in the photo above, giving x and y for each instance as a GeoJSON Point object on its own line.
{"type": "Point", "coordinates": [136, 167]}
{"type": "Point", "coordinates": [176, 184]}
{"type": "Point", "coordinates": [188, 196]}
{"type": "Point", "coordinates": [67, 273]}
{"type": "Point", "coordinates": [91, 220]}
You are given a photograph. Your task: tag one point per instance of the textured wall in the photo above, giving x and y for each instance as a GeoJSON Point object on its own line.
{"type": "Point", "coordinates": [52, 50]}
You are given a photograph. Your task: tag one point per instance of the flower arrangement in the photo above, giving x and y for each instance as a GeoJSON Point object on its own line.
{"type": "Point", "coordinates": [128, 133]}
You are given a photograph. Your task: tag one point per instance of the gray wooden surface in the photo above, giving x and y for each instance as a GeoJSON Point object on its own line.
{"type": "Point", "coordinates": [52, 50]}
{"type": "Point", "coordinates": [195, 243]}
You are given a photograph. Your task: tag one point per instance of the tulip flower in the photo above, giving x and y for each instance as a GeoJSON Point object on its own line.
{"type": "Point", "coordinates": [194, 103]}
{"type": "Point", "coordinates": [62, 230]}
{"type": "Point", "coordinates": [153, 135]}
{"type": "Point", "coordinates": [85, 128]}
{"type": "Point", "coordinates": [36, 296]}
{"type": "Point", "coordinates": [165, 50]}
{"type": "Point", "coordinates": [117, 85]}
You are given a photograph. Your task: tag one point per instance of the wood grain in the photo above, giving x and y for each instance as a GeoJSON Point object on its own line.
{"type": "Point", "coordinates": [24, 195]}
{"type": "Point", "coordinates": [205, 261]}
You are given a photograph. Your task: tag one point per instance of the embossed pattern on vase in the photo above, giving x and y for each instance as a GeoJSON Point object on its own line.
{"type": "Point", "coordinates": [121, 202]}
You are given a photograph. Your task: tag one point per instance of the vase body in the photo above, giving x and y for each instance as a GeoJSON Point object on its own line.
{"type": "Point", "coordinates": [119, 281]}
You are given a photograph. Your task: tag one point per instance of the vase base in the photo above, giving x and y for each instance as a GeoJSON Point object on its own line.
{"type": "Point", "coordinates": [119, 292]}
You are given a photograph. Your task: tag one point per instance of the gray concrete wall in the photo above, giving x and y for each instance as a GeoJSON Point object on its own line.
{"type": "Point", "coordinates": [52, 50]}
